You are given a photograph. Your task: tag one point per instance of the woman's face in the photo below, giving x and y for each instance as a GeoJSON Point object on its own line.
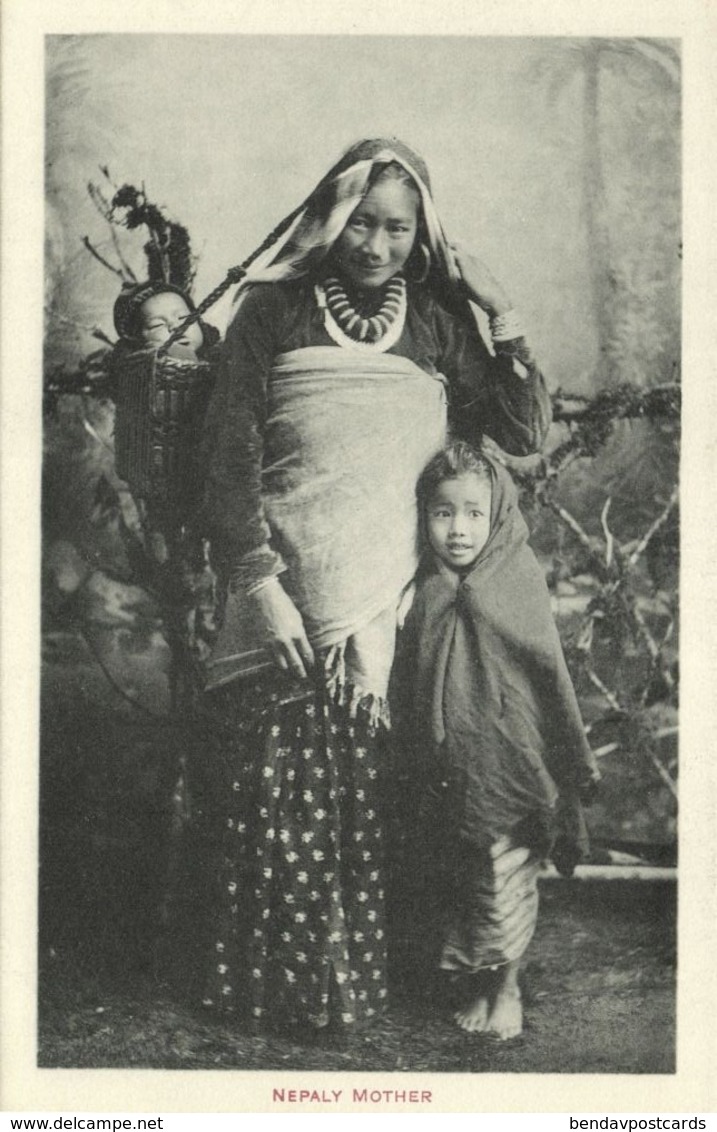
{"type": "Point", "coordinates": [379, 236]}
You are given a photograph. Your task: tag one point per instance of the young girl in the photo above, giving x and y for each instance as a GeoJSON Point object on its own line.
{"type": "Point", "coordinates": [488, 717]}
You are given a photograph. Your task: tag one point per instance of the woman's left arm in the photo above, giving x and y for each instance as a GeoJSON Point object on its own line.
{"type": "Point", "coordinates": [503, 394]}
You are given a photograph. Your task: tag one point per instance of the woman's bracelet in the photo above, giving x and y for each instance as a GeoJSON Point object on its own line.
{"type": "Point", "coordinates": [505, 326]}
{"type": "Point", "coordinates": [255, 568]}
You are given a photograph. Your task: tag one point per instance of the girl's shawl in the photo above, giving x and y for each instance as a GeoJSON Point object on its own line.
{"type": "Point", "coordinates": [323, 217]}
{"type": "Point", "coordinates": [347, 434]}
{"type": "Point", "coordinates": [484, 690]}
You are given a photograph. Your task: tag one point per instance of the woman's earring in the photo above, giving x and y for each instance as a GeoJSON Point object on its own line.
{"type": "Point", "coordinates": [425, 255]}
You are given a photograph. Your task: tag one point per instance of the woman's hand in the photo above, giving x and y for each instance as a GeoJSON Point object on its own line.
{"type": "Point", "coordinates": [481, 285]}
{"type": "Point", "coordinates": [286, 636]}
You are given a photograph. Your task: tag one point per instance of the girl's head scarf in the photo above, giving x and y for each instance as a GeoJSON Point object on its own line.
{"type": "Point", "coordinates": [308, 239]}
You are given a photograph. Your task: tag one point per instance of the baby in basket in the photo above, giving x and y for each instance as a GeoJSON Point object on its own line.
{"type": "Point", "coordinates": [159, 458]}
{"type": "Point", "coordinates": [145, 314]}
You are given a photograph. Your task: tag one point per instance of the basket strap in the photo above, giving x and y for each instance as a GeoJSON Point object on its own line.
{"type": "Point", "coordinates": [234, 275]}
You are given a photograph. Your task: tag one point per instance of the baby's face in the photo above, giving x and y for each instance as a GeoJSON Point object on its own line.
{"type": "Point", "coordinates": [458, 519]}
{"type": "Point", "coordinates": [161, 314]}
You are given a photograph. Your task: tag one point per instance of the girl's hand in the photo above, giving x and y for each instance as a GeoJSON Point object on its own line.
{"type": "Point", "coordinates": [286, 636]}
{"type": "Point", "coordinates": [481, 285]}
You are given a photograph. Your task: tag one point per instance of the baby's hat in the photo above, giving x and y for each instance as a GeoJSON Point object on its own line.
{"type": "Point", "coordinates": [129, 304]}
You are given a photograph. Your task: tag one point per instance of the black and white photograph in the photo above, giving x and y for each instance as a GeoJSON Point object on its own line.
{"type": "Point", "coordinates": [357, 417]}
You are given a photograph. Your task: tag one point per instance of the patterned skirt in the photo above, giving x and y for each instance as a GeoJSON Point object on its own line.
{"type": "Point", "coordinates": [289, 789]}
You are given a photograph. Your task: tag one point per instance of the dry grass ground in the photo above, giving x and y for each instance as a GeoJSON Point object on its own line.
{"type": "Point", "coordinates": [599, 990]}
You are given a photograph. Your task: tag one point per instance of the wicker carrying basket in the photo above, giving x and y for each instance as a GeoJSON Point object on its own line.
{"type": "Point", "coordinates": [160, 407]}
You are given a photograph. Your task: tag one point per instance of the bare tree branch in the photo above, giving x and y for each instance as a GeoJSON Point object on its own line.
{"type": "Point", "coordinates": [100, 201]}
{"type": "Point", "coordinates": [125, 266]}
{"type": "Point", "coordinates": [654, 650]}
{"type": "Point", "coordinates": [115, 270]}
{"type": "Point", "coordinates": [610, 696]}
{"type": "Point", "coordinates": [652, 531]}
{"type": "Point", "coordinates": [607, 749]}
{"type": "Point", "coordinates": [666, 732]}
{"type": "Point", "coordinates": [666, 778]}
{"type": "Point", "coordinates": [569, 407]}
{"type": "Point", "coordinates": [571, 522]}
{"type": "Point", "coordinates": [609, 540]}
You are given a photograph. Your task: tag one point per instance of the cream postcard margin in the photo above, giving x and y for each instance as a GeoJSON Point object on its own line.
{"type": "Point", "coordinates": [24, 25]}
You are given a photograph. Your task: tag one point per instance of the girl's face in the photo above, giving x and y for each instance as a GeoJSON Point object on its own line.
{"type": "Point", "coordinates": [458, 519]}
{"type": "Point", "coordinates": [161, 314]}
{"type": "Point", "coordinates": [379, 236]}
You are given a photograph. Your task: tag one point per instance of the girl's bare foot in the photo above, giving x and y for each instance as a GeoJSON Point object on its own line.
{"type": "Point", "coordinates": [495, 1010]}
{"type": "Point", "coordinates": [474, 1016]}
{"type": "Point", "coordinates": [506, 1017]}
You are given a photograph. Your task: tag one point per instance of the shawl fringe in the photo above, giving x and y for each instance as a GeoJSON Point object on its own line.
{"type": "Point", "coordinates": [345, 691]}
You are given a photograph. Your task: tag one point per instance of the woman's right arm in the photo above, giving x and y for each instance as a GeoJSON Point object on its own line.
{"type": "Point", "coordinates": [233, 448]}
{"type": "Point", "coordinates": [502, 393]}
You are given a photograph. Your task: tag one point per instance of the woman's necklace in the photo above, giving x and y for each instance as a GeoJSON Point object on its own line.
{"type": "Point", "coordinates": [348, 328]}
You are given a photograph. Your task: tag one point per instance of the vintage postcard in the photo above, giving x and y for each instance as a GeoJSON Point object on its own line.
{"type": "Point", "coordinates": [299, 805]}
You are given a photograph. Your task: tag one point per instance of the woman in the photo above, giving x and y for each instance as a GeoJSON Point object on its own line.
{"type": "Point", "coordinates": [347, 358]}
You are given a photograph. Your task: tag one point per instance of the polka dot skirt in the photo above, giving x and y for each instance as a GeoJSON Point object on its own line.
{"type": "Point", "coordinates": [300, 929]}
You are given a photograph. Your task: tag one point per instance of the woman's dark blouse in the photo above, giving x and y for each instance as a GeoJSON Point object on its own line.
{"type": "Point", "coordinates": [503, 396]}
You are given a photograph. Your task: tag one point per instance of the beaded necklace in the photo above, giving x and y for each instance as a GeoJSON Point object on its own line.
{"type": "Point", "coordinates": [348, 328]}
